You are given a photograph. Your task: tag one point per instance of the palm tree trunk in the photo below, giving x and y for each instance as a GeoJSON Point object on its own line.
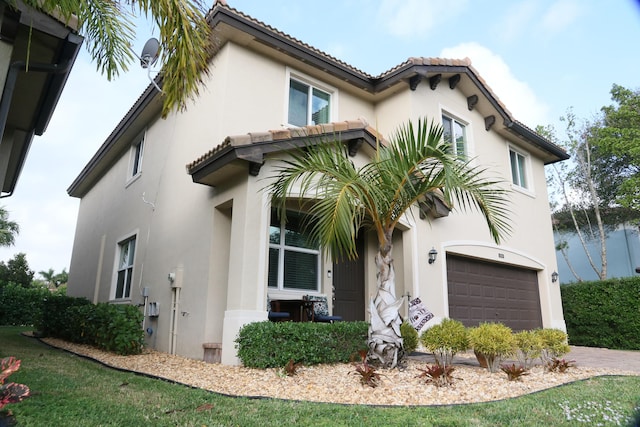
{"type": "Point", "coordinates": [385, 340]}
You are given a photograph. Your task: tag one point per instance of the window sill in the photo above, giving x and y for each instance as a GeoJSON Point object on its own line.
{"type": "Point", "coordinates": [523, 190]}
{"type": "Point", "coordinates": [132, 179]}
{"type": "Point", "coordinates": [120, 301]}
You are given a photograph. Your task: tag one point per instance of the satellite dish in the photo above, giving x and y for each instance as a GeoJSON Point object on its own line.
{"type": "Point", "coordinates": [150, 53]}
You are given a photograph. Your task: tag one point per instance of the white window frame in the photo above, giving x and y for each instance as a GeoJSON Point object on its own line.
{"type": "Point", "coordinates": [136, 156]}
{"type": "Point", "coordinates": [528, 179]}
{"type": "Point", "coordinates": [313, 84]}
{"type": "Point", "coordinates": [468, 141]}
{"type": "Point", "coordinates": [133, 237]}
{"type": "Point", "coordinates": [282, 247]}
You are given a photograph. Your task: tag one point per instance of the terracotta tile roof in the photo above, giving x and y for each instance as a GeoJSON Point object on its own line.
{"type": "Point", "coordinates": [223, 3]}
{"type": "Point", "coordinates": [287, 134]}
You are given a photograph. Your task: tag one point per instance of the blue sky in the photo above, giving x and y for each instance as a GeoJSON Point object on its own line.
{"type": "Point", "coordinates": [539, 57]}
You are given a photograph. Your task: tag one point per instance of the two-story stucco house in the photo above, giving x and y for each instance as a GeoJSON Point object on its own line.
{"type": "Point", "coordinates": [200, 247]}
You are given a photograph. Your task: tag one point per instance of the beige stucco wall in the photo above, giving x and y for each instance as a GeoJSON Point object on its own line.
{"type": "Point", "coordinates": [217, 239]}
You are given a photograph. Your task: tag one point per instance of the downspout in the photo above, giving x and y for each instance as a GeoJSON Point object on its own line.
{"type": "Point", "coordinates": [7, 95]}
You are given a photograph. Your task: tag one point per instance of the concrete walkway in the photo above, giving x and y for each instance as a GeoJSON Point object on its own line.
{"type": "Point", "coordinates": [605, 358]}
{"type": "Point", "coordinates": [584, 356]}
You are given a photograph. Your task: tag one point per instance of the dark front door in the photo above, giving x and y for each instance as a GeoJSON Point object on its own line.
{"type": "Point", "coordinates": [348, 281]}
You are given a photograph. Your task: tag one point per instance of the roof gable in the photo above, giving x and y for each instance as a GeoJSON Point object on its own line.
{"type": "Point", "coordinates": [230, 24]}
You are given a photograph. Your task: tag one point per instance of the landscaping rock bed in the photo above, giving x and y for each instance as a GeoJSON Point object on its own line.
{"type": "Point", "coordinates": [339, 383]}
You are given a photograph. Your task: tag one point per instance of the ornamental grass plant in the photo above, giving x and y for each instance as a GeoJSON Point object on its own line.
{"type": "Point", "coordinates": [494, 342]}
{"type": "Point", "coordinates": [445, 340]}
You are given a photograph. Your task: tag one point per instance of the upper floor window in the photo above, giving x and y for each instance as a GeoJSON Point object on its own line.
{"type": "Point", "coordinates": [126, 253]}
{"type": "Point", "coordinates": [308, 105]}
{"type": "Point", "coordinates": [518, 168]}
{"type": "Point", "coordinates": [135, 157]}
{"type": "Point", "coordinates": [294, 259]}
{"type": "Point", "coordinates": [455, 134]}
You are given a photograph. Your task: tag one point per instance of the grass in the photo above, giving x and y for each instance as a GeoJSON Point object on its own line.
{"type": "Point", "coordinates": [70, 390]}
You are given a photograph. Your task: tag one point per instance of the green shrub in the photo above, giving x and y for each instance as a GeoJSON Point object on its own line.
{"type": "Point", "coordinates": [494, 341]}
{"type": "Point", "coordinates": [55, 321]}
{"type": "Point", "coordinates": [554, 344]}
{"type": "Point", "coordinates": [603, 313]}
{"type": "Point", "coordinates": [445, 340]}
{"type": "Point", "coordinates": [409, 337]}
{"type": "Point", "coordinates": [21, 306]}
{"type": "Point", "coordinates": [274, 344]}
{"type": "Point", "coordinates": [529, 346]}
{"type": "Point", "coordinates": [110, 327]}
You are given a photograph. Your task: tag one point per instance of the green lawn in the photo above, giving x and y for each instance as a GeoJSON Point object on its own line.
{"type": "Point", "coordinates": [68, 390]}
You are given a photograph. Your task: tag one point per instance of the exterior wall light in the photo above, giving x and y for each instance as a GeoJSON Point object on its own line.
{"type": "Point", "coordinates": [432, 255]}
{"type": "Point", "coordinates": [554, 277]}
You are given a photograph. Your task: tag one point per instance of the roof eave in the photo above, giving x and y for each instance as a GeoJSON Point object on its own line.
{"type": "Point", "coordinates": [254, 154]}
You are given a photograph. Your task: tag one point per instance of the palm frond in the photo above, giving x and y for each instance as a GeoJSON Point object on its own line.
{"type": "Point", "coordinates": [416, 164]}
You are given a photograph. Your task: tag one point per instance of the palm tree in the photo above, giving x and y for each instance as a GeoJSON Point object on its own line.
{"type": "Point", "coordinates": [417, 164]}
{"type": "Point", "coordinates": [108, 29]}
{"type": "Point", "coordinates": [8, 229]}
{"type": "Point", "coordinates": [48, 276]}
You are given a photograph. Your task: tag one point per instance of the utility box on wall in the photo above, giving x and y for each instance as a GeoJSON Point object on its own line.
{"type": "Point", "coordinates": [153, 309]}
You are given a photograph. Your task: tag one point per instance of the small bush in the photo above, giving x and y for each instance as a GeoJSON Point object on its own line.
{"type": "Point", "coordinates": [554, 344]}
{"type": "Point", "coordinates": [494, 341]}
{"type": "Point", "coordinates": [438, 375]}
{"type": "Point", "coordinates": [514, 373]}
{"type": "Point", "coordinates": [368, 374]}
{"type": "Point", "coordinates": [273, 344]}
{"type": "Point", "coordinates": [559, 365]}
{"type": "Point", "coordinates": [529, 346]}
{"type": "Point", "coordinates": [445, 340]}
{"type": "Point", "coordinates": [409, 337]}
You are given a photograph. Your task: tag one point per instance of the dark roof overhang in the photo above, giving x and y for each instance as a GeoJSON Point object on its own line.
{"type": "Point", "coordinates": [43, 51]}
{"type": "Point", "coordinates": [245, 154]}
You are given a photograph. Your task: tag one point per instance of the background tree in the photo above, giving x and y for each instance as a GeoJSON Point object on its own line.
{"type": "Point", "coordinates": [598, 189]}
{"type": "Point", "coordinates": [8, 229]}
{"type": "Point", "coordinates": [108, 29]}
{"type": "Point", "coordinates": [577, 183]}
{"type": "Point", "coordinates": [619, 138]}
{"type": "Point", "coordinates": [417, 163]}
{"type": "Point", "coordinates": [16, 271]}
{"type": "Point", "coordinates": [53, 280]}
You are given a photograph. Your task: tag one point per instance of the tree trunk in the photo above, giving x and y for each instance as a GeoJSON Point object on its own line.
{"type": "Point", "coordinates": [385, 340]}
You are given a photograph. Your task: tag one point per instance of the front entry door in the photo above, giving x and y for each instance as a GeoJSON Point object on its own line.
{"type": "Point", "coordinates": [348, 281]}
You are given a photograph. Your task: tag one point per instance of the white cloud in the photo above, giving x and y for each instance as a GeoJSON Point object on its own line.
{"type": "Point", "coordinates": [560, 15]}
{"type": "Point", "coordinates": [515, 94]}
{"type": "Point", "coordinates": [516, 20]}
{"type": "Point", "coordinates": [409, 18]}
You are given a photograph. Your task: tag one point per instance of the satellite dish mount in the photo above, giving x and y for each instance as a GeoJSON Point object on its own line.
{"type": "Point", "coordinates": [150, 54]}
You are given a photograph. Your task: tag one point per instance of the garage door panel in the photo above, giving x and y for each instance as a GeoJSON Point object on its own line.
{"type": "Point", "coordinates": [481, 291]}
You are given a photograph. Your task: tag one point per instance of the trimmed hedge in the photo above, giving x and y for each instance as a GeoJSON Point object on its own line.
{"type": "Point", "coordinates": [109, 327]}
{"type": "Point", "coordinates": [274, 344]}
{"type": "Point", "coordinates": [21, 306]}
{"type": "Point", "coordinates": [604, 313]}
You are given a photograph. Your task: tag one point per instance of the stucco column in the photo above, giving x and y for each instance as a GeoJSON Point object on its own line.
{"type": "Point", "coordinates": [246, 299]}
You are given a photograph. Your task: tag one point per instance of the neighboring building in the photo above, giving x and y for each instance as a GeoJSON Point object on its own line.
{"type": "Point", "coordinates": [623, 254]}
{"type": "Point", "coordinates": [37, 52]}
{"type": "Point", "coordinates": [202, 249]}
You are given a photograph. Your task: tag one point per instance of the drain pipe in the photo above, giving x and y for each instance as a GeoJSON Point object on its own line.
{"type": "Point", "coordinates": [176, 287]}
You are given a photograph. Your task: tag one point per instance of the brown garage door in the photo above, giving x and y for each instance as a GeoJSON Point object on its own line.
{"type": "Point", "coordinates": [482, 291]}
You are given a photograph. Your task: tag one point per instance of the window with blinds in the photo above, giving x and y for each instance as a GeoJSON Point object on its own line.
{"type": "Point", "coordinates": [294, 259]}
